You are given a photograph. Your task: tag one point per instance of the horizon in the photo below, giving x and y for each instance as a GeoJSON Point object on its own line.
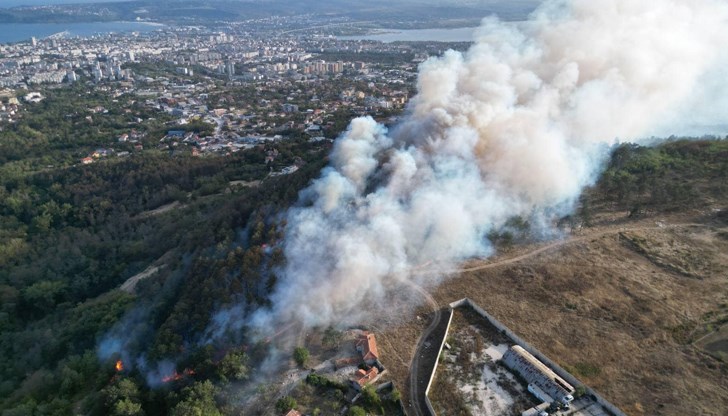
{"type": "Point", "coordinates": [19, 3]}
{"type": "Point", "coordinates": [7, 4]}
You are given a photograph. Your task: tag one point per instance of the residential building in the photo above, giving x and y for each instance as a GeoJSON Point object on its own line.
{"type": "Point", "coordinates": [366, 344]}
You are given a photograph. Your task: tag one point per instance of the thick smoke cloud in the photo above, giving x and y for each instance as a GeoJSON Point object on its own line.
{"type": "Point", "coordinates": [517, 125]}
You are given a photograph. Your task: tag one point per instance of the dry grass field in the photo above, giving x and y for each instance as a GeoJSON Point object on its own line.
{"type": "Point", "coordinates": [633, 308]}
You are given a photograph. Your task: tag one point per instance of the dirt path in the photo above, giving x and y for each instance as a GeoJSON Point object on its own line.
{"type": "Point", "coordinates": [425, 294]}
{"type": "Point", "coordinates": [570, 240]}
{"type": "Point", "coordinates": [161, 210]}
{"type": "Point", "coordinates": [249, 184]}
{"type": "Point", "coordinates": [131, 282]}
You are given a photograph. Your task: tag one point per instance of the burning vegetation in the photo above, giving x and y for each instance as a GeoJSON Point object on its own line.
{"type": "Point", "coordinates": [178, 376]}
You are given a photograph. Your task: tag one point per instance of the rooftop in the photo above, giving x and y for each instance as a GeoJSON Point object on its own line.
{"type": "Point", "coordinates": [367, 345]}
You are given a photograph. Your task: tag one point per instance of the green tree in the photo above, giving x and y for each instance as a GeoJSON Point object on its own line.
{"type": "Point", "coordinates": [356, 411]}
{"type": "Point", "coordinates": [127, 407]}
{"type": "Point", "coordinates": [42, 223]}
{"type": "Point", "coordinates": [44, 295]}
{"type": "Point", "coordinates": [370, 396]}
{"type": "Point", "coordinates": [301, 355]}
{"type": "Point", "coordinates": [396, 395]}
{"type": "Point", "coordinates": [234, 366]}
{"type": "Point", "coordinates": [285, 404]}
{"type": "Point", "coordinates": [25, 409]}
{"type": "Point", "coordinates": [199, 400]}
{"type": "Point", "coordinates": [122, 398]}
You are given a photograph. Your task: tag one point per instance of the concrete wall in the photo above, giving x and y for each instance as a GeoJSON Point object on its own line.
{"type": "Point", "coordinates": [536, 353]}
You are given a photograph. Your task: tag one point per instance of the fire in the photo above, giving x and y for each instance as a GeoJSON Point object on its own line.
{"type": "Point", "coordinates": [119, 365]}
{"type": "Point", "coordinates": [173, 377]}
{"type": "Point", "coordinates": [177, 376]}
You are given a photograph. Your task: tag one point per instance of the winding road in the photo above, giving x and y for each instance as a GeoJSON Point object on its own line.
{"type": "Point", "coordinates": [423, 362]}
{"type": "Point", "coordinates": [417, 383]}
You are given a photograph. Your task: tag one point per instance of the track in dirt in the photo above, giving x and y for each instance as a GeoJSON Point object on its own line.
{"type": "Point", "coordinates": [557, 244]}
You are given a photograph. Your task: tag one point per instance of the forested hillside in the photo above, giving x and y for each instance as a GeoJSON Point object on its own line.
{"type": "Point", "coordinates": [70, 236]}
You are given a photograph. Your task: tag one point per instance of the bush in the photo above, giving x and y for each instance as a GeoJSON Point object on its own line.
{"type": "Point", "coordinates": [301, 355]}
{"type": "Point", "coordinates": [285, 404]}
{"type": "Point", "coordinates": [396, 395]}
{"type": "Point", "coordinates": [370, 396]}
{"type": "Point", "coordinates": [356, 411]}
{"type": "Point", "coordinates": [324, 382]}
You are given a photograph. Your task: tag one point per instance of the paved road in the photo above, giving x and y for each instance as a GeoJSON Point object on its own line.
{"type": "Point", "coordinates": [421, 368]}
{"type": "Point", "coordinates": [418, 384]}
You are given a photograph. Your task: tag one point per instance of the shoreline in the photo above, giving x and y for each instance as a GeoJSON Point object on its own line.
{"type": "Point", "coordinates": [22, 32]}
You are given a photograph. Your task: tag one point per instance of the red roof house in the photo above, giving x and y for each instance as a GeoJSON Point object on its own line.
{"type": "Point", "coordinates": [364, 377]}
{"type": "Point", "coordinates": [366, 344]}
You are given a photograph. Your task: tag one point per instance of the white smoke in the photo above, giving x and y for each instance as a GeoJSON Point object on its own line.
{"type": "Point", "coordinates": [517, 125]}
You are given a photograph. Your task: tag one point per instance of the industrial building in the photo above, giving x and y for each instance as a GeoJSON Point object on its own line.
{"type": "Point", "coordinates": [542, 381]}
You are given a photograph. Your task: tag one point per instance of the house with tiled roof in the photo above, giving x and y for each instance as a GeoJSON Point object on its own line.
{"type": "Point", "coordinates": [363, 377]}
{"type": "Point", "coordinates": [293, 412]}
{"type": "Point", "coordinates": [366, 344]}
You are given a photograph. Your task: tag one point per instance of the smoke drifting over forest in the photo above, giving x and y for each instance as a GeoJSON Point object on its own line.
{"type": "Point", "coordinates": [516, 126]}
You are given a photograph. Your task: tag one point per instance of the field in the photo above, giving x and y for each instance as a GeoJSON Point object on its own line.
{"type": "Point", "coordinates": [620, 305]}
{"type": "Point", "coordinates": [716, 343]}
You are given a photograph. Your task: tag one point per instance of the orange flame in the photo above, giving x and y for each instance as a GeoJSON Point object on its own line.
{"type": "Point", "coordinates": [119, 365]}
{"type": "Point", "coordinates": [172, 377]}
{"type": "Point", "coordinates": [177, 376]}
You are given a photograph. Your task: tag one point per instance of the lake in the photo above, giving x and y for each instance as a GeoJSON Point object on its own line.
{"type": "Point", "coordinates": [16, 32]}
{"type": "Point", "coordinates": [462, 34]}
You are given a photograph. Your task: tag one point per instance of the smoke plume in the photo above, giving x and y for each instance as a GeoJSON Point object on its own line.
{"type": "Point", "coordinates": [516, 126]}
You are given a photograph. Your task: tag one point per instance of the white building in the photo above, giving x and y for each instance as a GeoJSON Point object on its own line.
{"type": "Point", "coordinates": [543, 382]}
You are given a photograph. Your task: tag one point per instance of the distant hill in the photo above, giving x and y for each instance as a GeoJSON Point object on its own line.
{"type": "Point", "coordinates": [202, 11]}
{"type": "Point", "coordinates": [19, 3]}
